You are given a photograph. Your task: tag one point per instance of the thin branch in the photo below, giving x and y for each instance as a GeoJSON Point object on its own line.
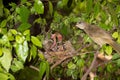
{"type": "Point", "coordinates": [91, 67]}
{"type": "Point", "coordinates": [33, 67]}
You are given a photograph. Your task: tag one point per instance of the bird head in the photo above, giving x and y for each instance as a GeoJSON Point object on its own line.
{"type": "Point", "coordinates": [81, 25]}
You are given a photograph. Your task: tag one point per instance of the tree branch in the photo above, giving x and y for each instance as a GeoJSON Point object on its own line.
{"type": "Point", "coordinates": [90, 68]}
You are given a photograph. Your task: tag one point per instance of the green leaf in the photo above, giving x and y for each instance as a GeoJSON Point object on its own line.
{"type": "Point", "coordinates": [3, 23]}
{"type": "Point", "coordinates": [19, 39]}
{"type": "Point", "coordinates": [1, 52]}
{"type": "Point", "coordinates": [16, 65]}
{"type": "Point", "coordinates": [39, 7]}
{"type": "Point", "coordinates": [89, 7]}
{"type": "Point", "coordinates": [26, 32]}
{"type": "Point", "coordinates": [6, 59]}
{"type": "Point", "coordinates": [1, 8]}
{"type": "Point", "coordinates": [36, 41]}
{"type": "Point", "coordinates": [11, 77]}
{"type": "Point", "coordinates": [33, 51]}
{"type": "Point", "coordinates": [17, 10]}
{"type": "Point", "coordinates": [3, 76]}
{"type": "Point", "coordinates": [24, 26]}
{"type": "Point", "coordinates": [71, 65]}
{"type": "Point", "coordinates": [115, 56]}
{"type": "Point", "coordinates": [47, 70]}
{"type": "Point", "coordinates": [50, 8]}
{"type": "Point", "coordinates": [6, 76]}
{"type": "Point", "coordinates": [64, 2]}
{"type": "Point", "coordinates": [13, 5]}
{"type": "Point", "coordinates": [22, 51]}
{"type": "Point", "coordinates": [10, 36]}
{"type": "Point", "coordinates": [118, 40]}
{"type": "Point", "coordinates": [118, 62]}
{"type": "Point", "coordinates": [42, 69]}
{"type": "Point", "coordinates": [41, 56]}
{"type": "Point", "coordinates": [108, 50]}
{"type": "Point", "coordinates": [23, 1]}
{"type": "Point", "coordinates": [109, 68]}
{"type": "Point", "coordinates": [7, 13]}
{"type": "Point", "coordinates": [24, 14]}
{"type": "Point", "coordinates": [69, 72]}
{"type": "Point", "coordinates": [13, 31]}
{"type": "Point", "coordinates": [96, 8]}
{"type": "Point", "coordinates": [80, 62]}
{"type": "Point", "coordinates": [118, 9]}
{"type": "Point", "coordinates": [115, 35]}
{"type": "Point", "coordinates": [5, 41]}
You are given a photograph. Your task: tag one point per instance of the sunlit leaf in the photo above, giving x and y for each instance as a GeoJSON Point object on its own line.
{"type": "Point", "coordinates": [5, 41]}
{"type": "Point", "coordinates": [16, 65]}
{"type": "Point", "coordinates": [22, 51]}
{"type": "Point", "coordinates": [108, 50]}
{"type": "Point", "coordinates": [71, 65]}
{"type": "Point", "coordinates": [1, 52]}
{"type": "Point", "coordinates": [11, 77]}
{"type": "Point", "coordinates": [42, 69]}
{"type": "Point", "coordinates": [3, 76]}
{"type": "Point", "coordinates": [36, 41]}
{"type": "Point", "coordinates": [6, 59]}
{"type": "Point", "coordinates": [19, 39]}
{"type": "Point", "coordinates": [39, 7]}
{"type": "Point", "coordinates": [10, 36]}
{"type": "Point", "coordinates": [13, 31]}
{"type": "Point", "coordinates": [33, 51]}
{"type": "Point", "coordinates": [6, 76]}
{"type": "Point", "coordinates": [115, 35]}
{"type": "Point", "coordinates": [118, 40]}
{"type": "Point", "coordinates": [41, 56]}
{"type": "Point", "coordinates": [27, 34]}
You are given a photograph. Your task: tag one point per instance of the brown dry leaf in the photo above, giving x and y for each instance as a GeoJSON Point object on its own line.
{"type": "Point", "coordinates": [92, 75]}
{"type": "Point", "coordinates": [104, 57]}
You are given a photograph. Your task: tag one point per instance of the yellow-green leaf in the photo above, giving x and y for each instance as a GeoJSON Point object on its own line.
{"type": "Point", "coordinates": [115, 35]}
{"type": "Point", "coordinates": [39, 7]}
{"type": "Point", "coordinates": [6, 59]}
{"type": "Point", "coordinates": [108, 50]}
{"type": "Point", "coordinates": [36, 41]}
{"type": "Point", "coordinates": [1, 51]}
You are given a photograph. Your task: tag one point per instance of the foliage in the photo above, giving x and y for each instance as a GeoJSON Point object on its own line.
{"type": "Point", "coordinates": [28, 24]}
